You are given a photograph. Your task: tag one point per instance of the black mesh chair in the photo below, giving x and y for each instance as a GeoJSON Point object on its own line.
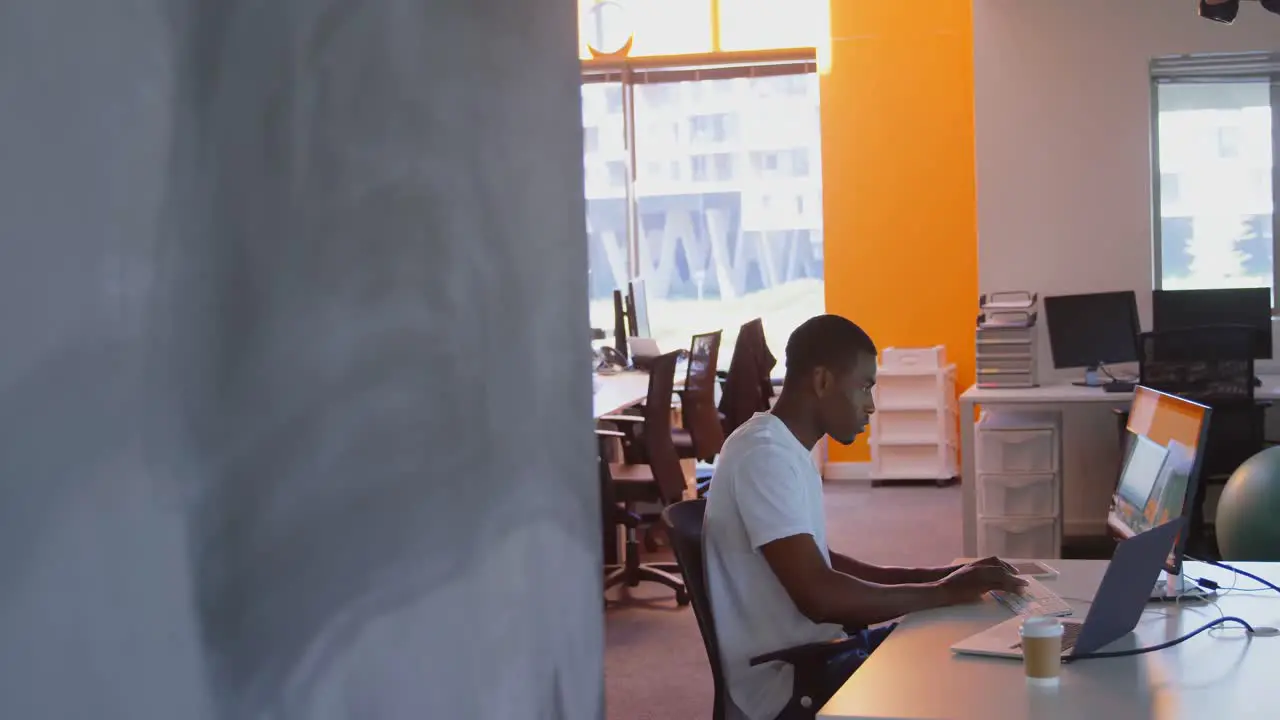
{"type": "Point", "coordinates": [1212, 365]}
{"type": "Point", "coordinates": [684, 527]}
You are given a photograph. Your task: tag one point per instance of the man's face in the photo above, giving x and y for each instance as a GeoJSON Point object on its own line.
{"type": "Point", "coordinates": [844, 398]}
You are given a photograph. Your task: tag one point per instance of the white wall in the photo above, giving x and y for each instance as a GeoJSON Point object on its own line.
{"type": "Point", "coordinates": [274, 277]}
{"type": "Point", "coordinates": [1062, 106]}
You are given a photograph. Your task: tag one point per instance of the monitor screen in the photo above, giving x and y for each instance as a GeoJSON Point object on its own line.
{"type": "Point", "coordinates": [1182, 309]}
{"type": "Point", "coordinates": [1094, 329]}
{"type": "Point", "coordinates": [640, 310]}
{"type": "Point", "coordinates": [1166, 436]}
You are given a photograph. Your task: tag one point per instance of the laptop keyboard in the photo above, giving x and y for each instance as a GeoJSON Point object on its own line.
{"type": "Point", "coordinates": [1070, 633]}
{"type": "Point", "coordinates": [1035, 599]}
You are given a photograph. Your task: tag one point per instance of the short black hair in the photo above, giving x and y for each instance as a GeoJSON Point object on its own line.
{"type": "Point", "coordinates": [829, 341]}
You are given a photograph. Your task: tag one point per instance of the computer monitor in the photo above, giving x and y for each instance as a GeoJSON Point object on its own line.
{"type": "Point", "coordinates": [638, 309]}
{"type": "Point", "coordinates": [1166, 439]}
{"type": "Point", "coordinates": [1092, 330]}
{"type": "Point", "coordinates": [619, 325]}
{"type": "Point", "coordinates": [1185, 309]}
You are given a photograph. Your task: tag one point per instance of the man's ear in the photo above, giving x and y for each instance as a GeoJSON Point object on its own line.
{"type": "Point", "coordinates": [821, 380]}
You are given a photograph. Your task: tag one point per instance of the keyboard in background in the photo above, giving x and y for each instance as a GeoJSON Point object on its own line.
{"type": "Point", "coordinates": [1035, 599]}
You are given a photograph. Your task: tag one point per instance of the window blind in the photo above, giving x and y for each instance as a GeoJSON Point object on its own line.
{"type": "Point", "coordinates": [1215, 67]}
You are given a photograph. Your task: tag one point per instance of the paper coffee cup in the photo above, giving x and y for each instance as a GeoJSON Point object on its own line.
{"type": "Point", "coordinates": [1042, 649]}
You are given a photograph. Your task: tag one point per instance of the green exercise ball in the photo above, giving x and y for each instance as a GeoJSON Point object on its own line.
{"type": "Point", "coordinates": [1248, 519]}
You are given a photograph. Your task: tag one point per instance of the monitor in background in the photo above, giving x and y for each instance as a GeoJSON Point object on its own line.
{"type": "Point", "coordinates": [1185, 309]}
{"type": "Point", "coordinates": [1093, 330]}
{"type": "Point", "coordinates": [1161, 471]}
{"type": "Point", "coordinates": [619, 325]}
{"type": "Point", "coordinates": [638, 309]}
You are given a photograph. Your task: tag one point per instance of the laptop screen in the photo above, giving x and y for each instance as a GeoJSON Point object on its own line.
{"type": "Point", "coordinates": [1164, 442]}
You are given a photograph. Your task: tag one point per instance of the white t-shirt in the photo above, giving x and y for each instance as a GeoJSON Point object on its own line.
{"type": "Point", "coordinates": [765, 488]}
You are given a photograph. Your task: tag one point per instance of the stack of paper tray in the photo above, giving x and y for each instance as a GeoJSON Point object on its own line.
{"type": "Point", "coordinates": [1006, 338]}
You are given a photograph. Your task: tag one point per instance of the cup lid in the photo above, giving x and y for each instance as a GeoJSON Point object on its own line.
{"type": "Point", "coordinates": [1041, 626]}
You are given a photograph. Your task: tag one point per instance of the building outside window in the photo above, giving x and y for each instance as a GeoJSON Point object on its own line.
{"type": "Point", "coordinates": [1215, 162]}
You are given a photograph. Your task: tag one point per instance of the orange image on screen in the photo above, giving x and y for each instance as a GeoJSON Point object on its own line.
{"type": "Point", "coordinates": [1162, 418]}
{"type": "Point", "coordinates": [1176, 425]}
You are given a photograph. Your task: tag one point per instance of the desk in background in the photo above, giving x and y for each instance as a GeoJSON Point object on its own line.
{"type": "Point", "coordinates": [1054, 397]}
{"type": "Point", "coordinates": [1217, 674]}
{"type": "Point", "coordinates": [615, 392]}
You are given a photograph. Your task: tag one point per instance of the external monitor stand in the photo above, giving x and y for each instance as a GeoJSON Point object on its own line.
{"type": "Point", "coordinates": [1096, 378]}
{"type": "Point", "coordinates": [1092, 377]}
{"type": "Point", "coordinates": [1171, 588]}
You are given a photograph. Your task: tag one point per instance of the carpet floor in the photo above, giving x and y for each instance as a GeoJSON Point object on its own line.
{"type": "Point", "coordinates": [655, 665]}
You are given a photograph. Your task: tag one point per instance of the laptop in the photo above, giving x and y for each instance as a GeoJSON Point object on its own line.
{"type": "Point", "coordinates": [1115, 611]}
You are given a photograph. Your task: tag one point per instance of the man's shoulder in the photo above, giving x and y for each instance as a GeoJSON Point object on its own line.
{"type": "Point", "coordinates": [760, 448]}
{"type": "Point", "coordinates": [759, 437]}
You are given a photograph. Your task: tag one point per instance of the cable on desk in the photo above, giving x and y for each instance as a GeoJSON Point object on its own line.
{"type": "Point", "coordinates": [1211, 585]}
{"type": "Point", "coordinates": [1163, 645]}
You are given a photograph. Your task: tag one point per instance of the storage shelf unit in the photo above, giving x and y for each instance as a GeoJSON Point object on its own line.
{"type": "Point", "coordinates": [1006, 340]}
{"type": "Point", "coordinates": [1018, 457]}
{"type": "Point", "coordinates": [914, 431]}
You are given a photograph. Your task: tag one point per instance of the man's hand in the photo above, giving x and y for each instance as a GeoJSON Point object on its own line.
{"type": "Point", "coordinates": [995, 562]}
{"type": "Point", "coordinates": [974, 580]}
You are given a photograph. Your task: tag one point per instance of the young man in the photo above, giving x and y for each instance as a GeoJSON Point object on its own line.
{"type": "Point", "coordinates": [773, 581]}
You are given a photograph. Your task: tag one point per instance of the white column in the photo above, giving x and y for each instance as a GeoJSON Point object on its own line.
{"type": "Point", "coordinates": [274, 278]}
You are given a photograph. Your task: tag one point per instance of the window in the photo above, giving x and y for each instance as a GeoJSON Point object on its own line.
{"type": "Point", "coordinates": [758, 24]}
{"type": "Point", "coordinates": [613, 99]}
{"type": "Point", "coordinates": [1229, 142]}
{"type": "Point", "coordinates": [724, 246]}
{"type": "Point", "coordinates": [709, 128]}
{"type": "Point", "coordinates": [1169, 194]}
{"type": "Point", "coordinates": [675, 27]}
{"type": "Point", "coordinates": [764, 163]}
{"type": "Point", "coordinates": [617, 173]}
{"type": "Point", "coordinates": [1213, 128]}
{"type": "Point", "coordinates": [713, 168]}
{"type": "Point", "coordinates": [701, 168]}
{"type": "Point", "coordinates": [800, 162]}
{"type": "Point", "coordinates": [606, 200]}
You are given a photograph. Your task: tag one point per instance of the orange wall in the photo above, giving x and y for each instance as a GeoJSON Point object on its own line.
{"type": "Point", "coordinates": [901, 252]}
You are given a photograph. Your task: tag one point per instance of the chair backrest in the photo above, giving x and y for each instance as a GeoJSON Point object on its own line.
{"type": "Point", "coordinates": [683, 521]}
{"type": "Point", "coordinates": [747, 389]}
{"type": "Point", "coordinates": [765, 361]}
{"type": "Point", "coordinates": [1211, 364]}
{"type": "Point", "coordinates": [701, 418]}
{"type": "Point", "coordinates": [660, 448]}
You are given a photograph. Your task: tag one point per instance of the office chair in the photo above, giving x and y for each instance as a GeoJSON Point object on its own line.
{"type": "Point", "coordinates": [746, 388]}
{"type": "Point", "coordinates": [659, 480]}
{"type": "Point", "coordinates": [703, 433]}
{"type": "Point", "coordinates": [683, 521]}
{"type": "Point", "coordinates": [1212, 365]}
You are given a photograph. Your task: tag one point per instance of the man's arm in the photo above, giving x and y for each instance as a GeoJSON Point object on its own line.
{"type": "Point", "coordinates": [771, 495]}
{"type": "Point", "coordinates": [887, 575]}
{"type": "Point", "coordinates": [826, 595]}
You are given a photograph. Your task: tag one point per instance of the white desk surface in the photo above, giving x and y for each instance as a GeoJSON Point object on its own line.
{"type": "Point", "coordinates": [618, 391]}
{"type": "Point", "coordinates": [1219, 673]}
{"type": "Point", "coordinates": [1058, 393]}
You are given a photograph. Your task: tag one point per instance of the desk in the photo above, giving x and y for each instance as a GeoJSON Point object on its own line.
{"type": "Point", "coordinates": [1047, 397]}
{"type": "Point", "coordinates": [1217, 674]}
{"type": "Point", "coordinates": [619, 391]}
